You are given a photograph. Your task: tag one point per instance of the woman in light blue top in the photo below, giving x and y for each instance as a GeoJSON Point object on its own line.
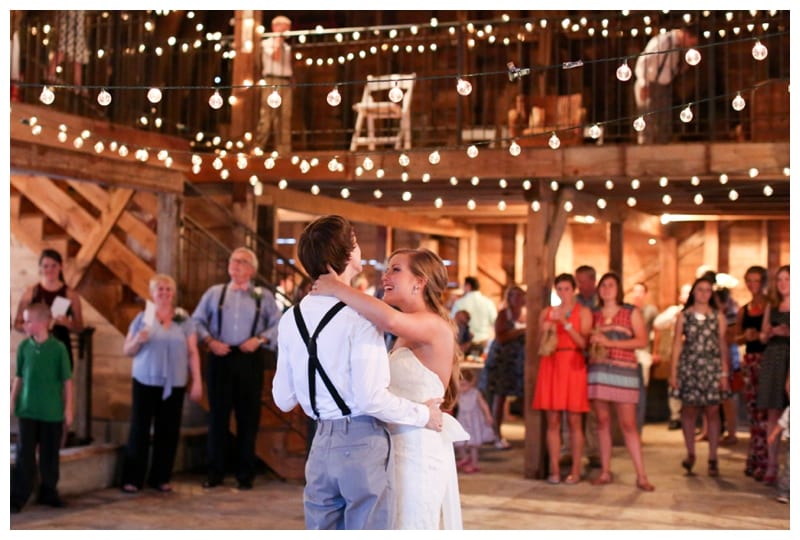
{"type": "Point", "coordinates": [163, 344]}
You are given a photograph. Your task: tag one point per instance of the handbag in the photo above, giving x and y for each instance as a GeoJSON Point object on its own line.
{"type": "Point", "coordinates": [548, 342]}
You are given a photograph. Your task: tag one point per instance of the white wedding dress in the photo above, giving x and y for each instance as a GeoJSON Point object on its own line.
{"type": "Point", "coordinates": [426, 480]}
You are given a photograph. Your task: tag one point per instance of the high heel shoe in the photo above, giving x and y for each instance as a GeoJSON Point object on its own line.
{"type": "Point", "coordinates": [713, 468]}
{"type": "Point", "coordinates": [688, 463]}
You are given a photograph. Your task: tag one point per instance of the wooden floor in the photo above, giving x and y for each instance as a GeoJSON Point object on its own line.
{"type": "Point", "coordinates": [497, 497]}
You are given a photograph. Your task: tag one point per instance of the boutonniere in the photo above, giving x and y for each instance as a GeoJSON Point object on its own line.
{"type": "Point", "coordinates": [180, 315]}
{"type": "Point", "coordinates": [258, 293]}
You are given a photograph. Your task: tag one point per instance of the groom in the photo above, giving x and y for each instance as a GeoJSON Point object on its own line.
{"type": "Point", "coordinates": [350, 467]}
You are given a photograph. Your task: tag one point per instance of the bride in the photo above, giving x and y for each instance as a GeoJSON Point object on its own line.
{"type": "Point", "coordinates": [424, 364]}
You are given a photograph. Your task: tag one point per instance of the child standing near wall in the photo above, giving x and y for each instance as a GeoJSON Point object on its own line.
{"type": "Point", "coordinates": [41, 396]}
{"type": "Point", "coordinates": [474, 414]}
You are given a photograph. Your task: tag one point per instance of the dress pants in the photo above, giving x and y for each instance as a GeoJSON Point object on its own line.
{"type": "Point", "coordinates": [148, 408]}
{"type": "Point", "coordinates": [235, 383]}
{"type": "Point", "coordinates": [47, 436]}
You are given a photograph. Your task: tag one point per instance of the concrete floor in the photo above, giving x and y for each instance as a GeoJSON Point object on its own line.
{"type": "Point", "coordinates": [498, 497]}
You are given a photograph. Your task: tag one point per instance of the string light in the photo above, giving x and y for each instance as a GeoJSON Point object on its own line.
{"type": "Point", "coordinates": [733, 195]}
{"type": "Point", "coordinates": [639, 124]}
{"type": "Point", "coordinates": [334, 97]}
{"type": "Point", "coordinates": [768, 190]}
{"type": "Point", "coordinates": [759, 51]}
{"type": "Point", "coordinates": [154, 95]}
{"type": "Point", "coordinates": [104, 98]}
{"type": "Point", "coordinates": [692, 57]}
{"type": "Point", "coordinates": [274, 99]}
{"type": "Point", "coordinates": [554, 141]}
{"type": "Point", "coordinates": [472, 151]}
{"type": "Point", "coordinates": [215, 101]}
{"type": "Point", "coordinates": [47, 96]}
{"type": "Point", "coordinates": [738, 102]}
{"type": "Point", "coordinates": [698, 199]}
{"type": "Point", "coordinates": [403, 160]}
{"type": "Point", "coordinates": [723, 179]}
{"type": "Point", "coordinates": [631, 201]}
{"type": "Point", "coordinates": [434, 157]}
{"type": "Point", "coordinates": [595, 131]}
{"type": "Point", "coordinates": [686, 114]}
{"type": "Point", "coordinates": [463, 87]}
{"type": "Point", "coordinates": [396, 94]}
{"type": "Point", "coordinates": [514, 149]}
{"type": "Point", "coordinates": [624, 72]}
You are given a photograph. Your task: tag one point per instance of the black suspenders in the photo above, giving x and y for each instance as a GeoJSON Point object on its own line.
{"type": "Point", "coordinates": [219, 312]}
{"type": "Point", "coordinates": [313, 360]}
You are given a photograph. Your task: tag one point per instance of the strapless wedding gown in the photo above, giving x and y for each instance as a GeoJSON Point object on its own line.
{"type": "Point", "coordinates": [426, 480]}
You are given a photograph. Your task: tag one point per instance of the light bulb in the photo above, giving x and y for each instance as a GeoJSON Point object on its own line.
{"type": "Point", "coordinates": [738, 102]}
{"type": "Point", "coordinates": [406, 196]}
{"type": "Point", "coordinates": [471, 204]}
{"type": "Point", "coordinates": [698, 199]}
{"type": "Point", "coordinates": [695, 181]}
{"type": "Point", "coordinates": [104, 98]}
{"type": "Point", "coordinates": [624, 72]}
{"type": "Point", "coordinates": [377, 194]}
{"type": "Point", "coordinates": [215, 101]}
{"type": "Point", "coordinates": [154, 95]}
{"type": "Point", "coordinates": [472, 151]}
{"type": "Point", "coordinates": [609, 184]}
{"type": "Point", "coordinates": [635, 184]}
{"type": "Point", "coordinates": [332, 165]}
{"type": "Point", "coordinates": [274, 100]}
{"type": "Point", "coordinates": [631, 201]}
{"type": "Point", "coordinates": [501, 205]}
{"type": "Point", "coordinates": [666, 199]}
{"type": "Point", "coordinates": [579, 185]}
{"type": "Point", "coordinates": [345, 193]}
{"type": "Point", "coordinates": [334, 97]}
{"type": "Point", "coordinates": [514, 149]}
{"type": "Point", "coordinates": [438, 202]}
{"type": "Point", "coordinates": [463, 87]}
{"type": "Point", "coordinates": [692, 57]}
{"type": "Point", "coordinates": [434, 157]}
{"type": "Point", "coordinates": [759, 51]}
{"type": "Point", "coordinates": [554, 141]}
{"type": "Point", "coordinates": [639, 124]}
{"type": "Point", "coordinates": [663, 181]}
{"type": "Point", "coordinates": [601, 203]}
{"type": "Point", "coordinates": [733, 195]}
{"type": "Point", "coordinates": [536, 206]}
{"type": "Point", "coordinates": [403, 160]}
{"type": "Point", "coordinates": [395, 94]}
{"type": "Point", "coordinates": [595, 131]}
{"type": "Point", "coordinates": [47, 96]}
{"type": "Point", "coordinates": [768, 190]}
{"type": "Point", "coordinates": [304, 166]}
{"type": "Point", "coordinates": [686, 115]}
{"type": "Point", "coordinates": [723, 179]}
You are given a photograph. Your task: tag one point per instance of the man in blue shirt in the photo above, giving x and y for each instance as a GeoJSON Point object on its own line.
{"type": "Point", "coordinates": [235, 320]}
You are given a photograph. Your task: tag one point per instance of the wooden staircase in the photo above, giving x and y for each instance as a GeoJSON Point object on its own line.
{"type": "Point", "coordinates": [107, 239]}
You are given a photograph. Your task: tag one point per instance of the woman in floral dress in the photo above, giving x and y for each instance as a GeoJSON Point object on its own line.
{"type": "Point", "coordinates": [700, 369]}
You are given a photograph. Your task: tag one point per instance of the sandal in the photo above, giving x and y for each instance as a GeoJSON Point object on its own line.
{"type": "Point", "coordinates": [645, 485]}
{"type": "Point", "coordinates": [164, 488]}
{"type": "Point", "coordinates": [129, 488]}
{"type": "Point", "coordinates": [713, 468]}
{"type": "Point", "coordinates": [469, 468]}
{"type": "Point", "coordinates": [730, 440]}
{"type": "Point", "coordinates": [572, 479]}
{"type": "Point", "coordinates": [502, 444]}
{"type": "Point", "coordinates": [688, 463]}
{"type": "Point", "coordinates": [603, 480]}
{"type": "Point", "coordinates": [553, 479]}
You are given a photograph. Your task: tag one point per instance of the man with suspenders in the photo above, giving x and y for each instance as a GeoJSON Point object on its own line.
{"type": "Point", "coordinates": [334, 364]}
{"type": "Point", "coordinates": [235, 320]}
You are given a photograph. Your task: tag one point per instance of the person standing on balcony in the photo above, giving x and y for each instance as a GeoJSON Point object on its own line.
{"type": "Point", "coordinates": [656, 68]}
{"type": "Point", "coordinates": [236, 321]}
{"type": "Point", "coordinates": [276, 71]}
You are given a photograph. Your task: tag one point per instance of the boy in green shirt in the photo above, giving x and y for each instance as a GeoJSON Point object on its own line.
{"type": "Point", "coordinates": [41, 398]}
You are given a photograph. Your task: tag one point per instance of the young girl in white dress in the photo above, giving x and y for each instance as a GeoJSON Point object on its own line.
{"type": "Point", "coordinates": [476, 418]}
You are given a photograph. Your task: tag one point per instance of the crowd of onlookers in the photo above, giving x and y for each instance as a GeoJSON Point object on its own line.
{"type": "Point", "coordinates": [596, 354]}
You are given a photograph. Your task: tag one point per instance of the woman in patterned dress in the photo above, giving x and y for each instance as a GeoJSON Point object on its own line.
{"type": "Point", "coordinates": [561, 379]}
{"type": "Point", "coordinates": [775, 365]}
{"type": "Point", "coordinates": [613, 374]}
{"type": "Point", "coordinates": [748, 328]}
{"type": "Point", "coordinates": [505, 363]}
{"type": "Point", "coordinates": [700, 368]}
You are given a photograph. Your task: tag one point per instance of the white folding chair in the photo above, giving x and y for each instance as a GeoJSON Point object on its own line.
{"type": "Point", "coordinates": [376, 105]}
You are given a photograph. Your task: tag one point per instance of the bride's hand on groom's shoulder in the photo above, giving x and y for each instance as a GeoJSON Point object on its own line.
{"type": "Point", "coordinates": [435, 419]}
{"type": "Point", "coordinates": [326, 283]}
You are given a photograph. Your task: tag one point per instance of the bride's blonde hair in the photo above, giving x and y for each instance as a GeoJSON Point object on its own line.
{"type": "Point", "coordinates": [426, 264]}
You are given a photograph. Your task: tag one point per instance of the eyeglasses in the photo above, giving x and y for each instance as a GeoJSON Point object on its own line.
{"type": "Point", "coordinates": [241, 261]}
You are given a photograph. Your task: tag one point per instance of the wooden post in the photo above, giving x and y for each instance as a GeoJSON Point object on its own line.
{"type": "Point", "coordinates": [167, 234]}
{"type": "Point", "coordinates": [615, 248]}
{"type": "Point", "coordinates": [247, 45]}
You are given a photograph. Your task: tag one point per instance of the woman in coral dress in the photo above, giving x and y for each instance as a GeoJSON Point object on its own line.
{"type": "Point", "coordinates": [561, 380]}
